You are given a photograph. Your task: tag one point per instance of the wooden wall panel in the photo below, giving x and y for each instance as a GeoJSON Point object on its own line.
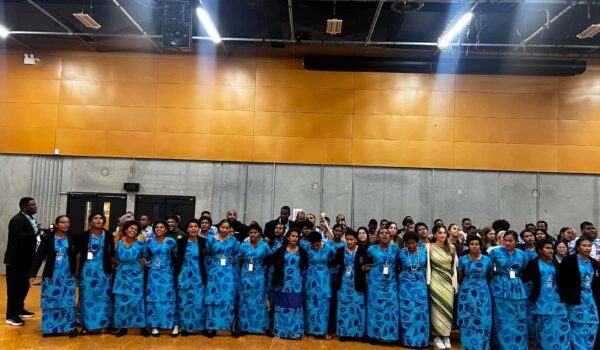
{"type": "Point", "coordinates": [29, 91]}
{"type": "Point", "coordinates": [130, 70]}
{"type": "Point", "coordinates": [403, 153]}
{"type": "Point", "coordinates": [27, 140]}
{"type": "Point", "coordinates": [586, 84]}
{"type": "Point", "coordinates": [302, 150]}
{"type": "Point", "coordinates": [498, 105]}
{"type": "Point", "coordinates": [495, 156]}
{"type": "Point", "coordinates": [47, 68]}
{"type": "Point", "coordinates": [276, 99]}
{"type": "Point", "coordinates": [509, 131]}
{"type": "Point", "coordinates": [396, 127]}
{"type": "Point", "coordinates": [207, 71]}
{"type": "Point", "coordinates": [204, 121]}
{"type": "Point", "coordinates": [307, 79]}
{"type": "Point", "coordinates": [506, 84]}
{"type": "Point", "coordinates": [303, 125]}
{"type": "Point", "coordinates": [107, 93]}
{"type": "Point", "coordinates": [404, 81]}
{"type": "Point", "coordinates": [577, 132]}
{"type": "Point", "coordinates": [579, 107]}
{"type": "Point", "coordinates": [206, 97]}
{"type": "Point", "coordinates": [31, 115]}
{"type": "Point", "coordinates": [579, 159]}
{"type": "Point", "coordinates": [106, 118]}
{"type": "Point", "coordinates": [208, 147]}
{"type": "Point", "coordinates": [102, 143]}
{"type": "Point", "coordinates": [404, 102]}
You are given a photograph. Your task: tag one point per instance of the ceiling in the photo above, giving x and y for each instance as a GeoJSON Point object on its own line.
{"type": "Point", "coordinates": [370, 26]}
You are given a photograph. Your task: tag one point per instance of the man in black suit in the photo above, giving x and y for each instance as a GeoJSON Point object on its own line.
{"type": "Point", "coordinates": [20, 251]}
{"type": "Point", "coordinates": [240, 230]}
{"type": "Point", "coordinates": [284, 215]}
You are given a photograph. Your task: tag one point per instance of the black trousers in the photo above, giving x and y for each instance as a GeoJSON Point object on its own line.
{"type": "Point", "coordinates": [17, 286]}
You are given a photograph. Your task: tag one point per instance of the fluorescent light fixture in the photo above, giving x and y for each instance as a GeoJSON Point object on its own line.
{"type": "Point", "coordinates": [86, 20]}
{"type": "Point", "coordinates": [334, 26]}
{"type": "Point", "coordinates": [208, 25]}
{"type": "Point", "coordinates": [4, 32]}
{"type": "Point", "coordinates": [450, 34]}
{"type": "Point", "coordinates": [590, 32]}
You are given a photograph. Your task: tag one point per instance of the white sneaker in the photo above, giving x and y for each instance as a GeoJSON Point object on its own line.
{"type": "Point", "coordinates": [155, 331]}
{"type": "Point", "coordinates": [175, 331]}
{"type": "Point", "coordinates": [437, 342]}
{"type": "Point", "coordinates": [447, 343]}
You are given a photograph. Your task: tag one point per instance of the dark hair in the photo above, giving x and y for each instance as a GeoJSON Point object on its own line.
{"type": "Point", "coordinates": [314, 237]}
{"type": "Point", "coordinates": [174, 217]}
{"type": "Point", "coordinates": [205, 212]}
{"type": "Point", "coordinates": [192, 221]}
{"type": "Point", "coordinates": [539, 245]}
{"type": "Point", "coordinates": [224, 221]}
{"type": "Point", "coordinates": [584, 224]}
{"type": "Point", "coordinates": [501, 225]}
{"type": "Point", "coordinates": [372, 222]}
{"type": "Point", "coordinates": [336, 226]}
{"type": "Point", "coordinates": [411, 235]}
{"type": "Point", "coordinates": [474, 238]}
{"type": "Point", "coordinates": [56, 221]}
{"type": "Point", "coordinates": [419, 224]}
{"type": "Point", "coordinates": [436, 221]}
{"type": "Point", "coordinates": [131, 223]}
{"type": "Point", "coordinates": [581, 239]}
{"type": "Point", "coordinates": [522, 234]}
{"type": "Point", "coordinates": [465, 219]}
{"type": "Point", "coordinates": [306, 223]}
{"type": "Point", "coordinates": [285, 207]}
{"type": "Point", "coordinates": [255, 226]}
{"type": "Point", "coordinates": [146, 215]}
{"type": "Point", "coordinates": [390, 223]}
{"type": "Point", "coordinates": [542, 222]}
{"type": "Point", "coordinates": [381, 229]}
{"type": "Point", "coordinates": [406, 222]}
{"type": "Point", "coordinates": [98, 213]}
{"type": "Point", "coordinates": [512, 233]}
{"type": "Point", "coordinates": [435, 230]}
{"type": "Point", "coordinates": [287, 235]}
{"type": "Point", "coordinates": [163, 222]}
{"type": "Point", "coordinates": [559, 242]}
{"type": "Point", "coordinates": [206, 218]}
{"type": "Point", "coordinates": [355, 233]}
{"type": "Point", "coordinates": [24, 201]}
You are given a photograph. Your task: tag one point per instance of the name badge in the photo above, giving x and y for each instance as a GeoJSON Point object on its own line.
{"type": "Point", "coordinates": [251, 267]}
{"type": "Point", "coordinates": [157, 263]}
{"type": "Point", "coordinates": [349, 271]}
{"type": "Point", "coordinates": [223, 261]}
{"type": "Point", "coordinates": [512, 274]}
{"type": "Point", "coordinates": [386, 270]}
{"type": "Point", "coordinates": [90, 255]}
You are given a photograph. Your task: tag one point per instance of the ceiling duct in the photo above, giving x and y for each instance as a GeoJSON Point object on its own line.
{"type": "Point", "coordinates": [466, 65]}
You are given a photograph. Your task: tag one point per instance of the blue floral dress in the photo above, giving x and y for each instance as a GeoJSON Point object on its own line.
{"type": "Point", "coordinates": [253, 316]}
{"type": "Point", "coordinates": [95, 304]}
{"type": "Point", "coordinates": [351, 308]}
{"type": "Point", "coordinates": [530, 254]}
{"type": "Point", "coordinates": [552, 330]}
{"type": "Point", "coordinates": [382, 294]}
{"type": "Point", "coordinates": [221, 284]}
{"type": "Point", "coordinates": [317, 290]}
{"type": "Point", "coordinates": [58, 293]}
{"type": "Point", "coordinates": [413, 298]}
{"type": "Point", "coordinates": [289, 315]}
{"type": "Point", "coordinates": [583, 318]}
{"type": "Point", "coordinates": [475, 303]}
{"type": "Point", "coordinates": [128, 288]}
{"type": "Point", "coordinates": [161, 297]}
{"type": "Point", "coordinates": [508, 297]}
{"type": "Point", "coordinates": [190, 291]}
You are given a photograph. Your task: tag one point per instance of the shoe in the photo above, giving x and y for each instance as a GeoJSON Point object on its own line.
{"type": "Point", "coordinates": [73, 333]}
{"type": "Point", "coordinates": [184, 333]}
{"type": "Point", "coordinates": [15, 321]}
{"type": "Point", "coordinates": [236, 334]}
{"type": "Point", "coordinates": [211, 334]}
{"type": "Point", "coordinates": [175, 332]}
{"type": "Point", "coordinates": [438, 343]}
{"type": "Point", "coordinates": [46, 335]}
{"type": "Point", "coordinates": [447, 343]}
{"type": "Point", "coordinates": [269, 333]}
{"type": "Point", "coordinates": [155, 333]}
{"type": "Point", "coordinates": [343, 339]}
{"type": "Point", "coordinates": [121, 332]}
{"type": "Point", "coordinates": [144, 332]}
{"type": "Point", "coordinates": [26, 314]}
{"type": "Point", "coordinates": [83, 331]}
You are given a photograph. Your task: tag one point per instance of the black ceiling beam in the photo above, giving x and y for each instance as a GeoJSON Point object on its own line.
{"type": "Point", "coordinates": [272, 14]}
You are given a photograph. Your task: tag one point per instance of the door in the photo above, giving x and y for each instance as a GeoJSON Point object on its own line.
{"type": "Point", "coordinates": [159, 207]}
{"type": "Point", "coordinates": [81, 205]}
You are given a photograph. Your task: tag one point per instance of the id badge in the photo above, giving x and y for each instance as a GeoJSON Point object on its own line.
{"type": "Point", "coordinates": [223, 261]}
{"type": "Point", "coordinates": [157, 263]}
{"type": "Point", "coordinates": [59, 256]}
{"type": "Point", "coordinates": [90, 255]}
{"type": "Point", "coordinates": [386, 269]}
{"type": "Point", "coordinates": [250, 267]}
{"type": "Point", "coordinates": [512, 274]}
{"type": "Point", "coordinates": [349, 272]}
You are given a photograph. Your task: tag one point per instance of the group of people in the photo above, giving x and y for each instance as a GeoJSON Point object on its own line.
{"type": "Point", "coordinates": [298, 279]}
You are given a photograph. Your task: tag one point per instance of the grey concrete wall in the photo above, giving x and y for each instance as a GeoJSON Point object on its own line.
{"type": "Point", "coordinates": [257, 191]}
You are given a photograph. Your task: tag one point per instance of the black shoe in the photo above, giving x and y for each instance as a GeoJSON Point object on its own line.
{"type": "Point", "coordinates": [269, 334]}
{"type": "Point", "coordinates": [373, 341]}
{"type": "Point", "coordinates": [144, 332]}
{"type": "Point", "coordinates": [184, 333]}
{"type": "Point", "coordinates": [343, 339]}
{"type": "Point", "coordinates": [211, 334]}
{"type": "Point", "coordinates": [26, 314]}
{"type": "Point", "coordinates": [236, 334]}
{"type": "Point", "coordinates": [121, 332]}
{"type": "Point", "coordinates": [73, 333]}
{"type": "Point", "coordinates": [15, 321]}
{"type": "Point", "coordinates": [46, 335]}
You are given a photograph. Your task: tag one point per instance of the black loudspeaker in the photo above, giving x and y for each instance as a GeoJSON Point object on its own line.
{"type": "Point", "coordinates": [177, 24]}
{"type": "Point", "coordinates": [131, 186]}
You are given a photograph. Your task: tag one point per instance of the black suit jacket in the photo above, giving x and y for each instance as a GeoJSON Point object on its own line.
{"type": "Point", "coordinates": [532, 273]}
{"type": "Point", "coordinates": [108, 253]}
{"type": "Point", "coordinates": [270, 228]}
{"type": "Point", "coordinates": [569, 280]}
{"type": "Point", "coordinates": [360, 279]}
{"type": "Point", "coordinates": [46, 251]}
{"type": "Point", "coordinates": [181, 246]}
{"type": "Point", "coordinates": [278, 262]}
{"type": "Point", "coordinates": [21, 240]}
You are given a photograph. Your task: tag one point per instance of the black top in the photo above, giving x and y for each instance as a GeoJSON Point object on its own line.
{"type": "Point", "coordinates": [176, 235]}
{"type": "Point", "coordinates": [532, 273]}
{"type": "Point", "coordinates": [270, 227]}
{"type": "Point", "coordinates": [47, 251]}
{"type": "Point", "coordinates": [569, 280]}
{"type": "Point", "coordinates": [181, 246]}
{"type": "Point", "coordinates": [108, 251]}
{"type": "Point", "coordinates": [277, 260]}
{"type": "Point", "coordinates": [241, 230]}
{"type": "Point", "coordinates": [21, 240]}
{"type": "Point", "coordinates": [360, 259]}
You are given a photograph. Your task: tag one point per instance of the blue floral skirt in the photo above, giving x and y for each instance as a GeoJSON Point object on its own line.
{"type": "Point", "coordinates": [219, 317]}
{"type": "Point", "coordinates": [95, 305]}
{"type": "Point", "coordinates": [161, 314]}
{"type": "Point", "coordinates": [129, 311]}
{"type": "Point", "coordinates": [190, 308]}
{"type": "Point", "coordinates": [552, 332]}
{"type": "Point", "coordinates": [583, 335]}
{"type": "Point", "coordinates": [60, 320]}
{"type": "Point", "coordinates": [316, 315]}
{"type": "Point", "coordinates": [510, 324]}
{"type": "Point", "coordinates": [289, 315]}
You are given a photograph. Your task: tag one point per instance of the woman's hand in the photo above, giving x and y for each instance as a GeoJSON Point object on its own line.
{"type": "Point", "coordinates": [31, 281]}
{"type": "Point", "coordinates": [366, 267]}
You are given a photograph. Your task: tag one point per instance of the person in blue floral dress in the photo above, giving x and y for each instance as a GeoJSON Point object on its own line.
{"type": "Point", "coordinates": [508, 295]}
{"type": "Point", "coordinates": [222, 274]}
{"type": "Point", "coordinates": [317, 290]}
{"type": "Point", "coordinates": [96, 251]}
{"type": "Point", "coordinates": [382, 295]}
{"type": "Point", "coordinates": [253, 315]}
{"type": "Point", "coordinates": [530, 252]}
{"type": "Point", "coordinates": [413, 293]}
{"type": "Point", "coordinates": [128, 287]}
{"type": "Point", "coordinates": [474, 298]}
{"type": "Point", "coordinates": [161, 297]}
{"type": "Point", "coordinates": [58, 280]}
{"type": "Point", "coordinates": [290, 262]}
{"type": "Point", "coordinates": [275, 243]}
{"type": "Point", "coordinates": [191, 279]}
{"type": "Point", "coordinates": [552, 329]}
{"type": "Point", "coordinates": [578, 276]}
